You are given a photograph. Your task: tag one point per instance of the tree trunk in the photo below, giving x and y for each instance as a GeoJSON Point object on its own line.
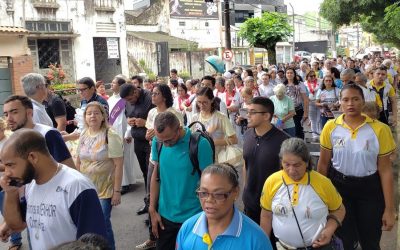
{"type": "Point", "coordinates": [271, 56]}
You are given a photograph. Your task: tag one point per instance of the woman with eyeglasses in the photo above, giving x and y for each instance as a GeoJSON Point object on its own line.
{"type": "Point", "coordinates": [327, 99]}
{"type": "Point", "coordinates": [216, 123]}
{"type": "Point", "coordinates": [301, 206]}
{"type": "Point", "coordinates": [355, 154]}
{"type": "Point", "coordinates": [312, 86]}
{"type": "Point", "coordinates": [221, 225]}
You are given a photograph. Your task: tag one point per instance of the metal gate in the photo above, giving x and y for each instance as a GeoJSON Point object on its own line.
{"type": "Point", "coordinates": [106, 68]}
{"type": "Point", "coordinates": [5, 81]}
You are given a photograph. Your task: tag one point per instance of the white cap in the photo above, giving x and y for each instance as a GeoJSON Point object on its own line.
{"type": "Point", "coordinates": [227, 75]}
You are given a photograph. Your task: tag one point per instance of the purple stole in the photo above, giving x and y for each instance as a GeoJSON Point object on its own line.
{"type": "Point", "coordinates": [116, 111]}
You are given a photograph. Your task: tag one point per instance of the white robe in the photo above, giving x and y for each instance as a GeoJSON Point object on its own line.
{"type": "Point", "coordinates": [131, 173]}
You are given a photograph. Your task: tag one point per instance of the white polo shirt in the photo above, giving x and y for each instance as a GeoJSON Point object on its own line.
{"type": "Point", "coordinates": [312, 198]}
{"type": "Point", "coordinates": [355, 152]}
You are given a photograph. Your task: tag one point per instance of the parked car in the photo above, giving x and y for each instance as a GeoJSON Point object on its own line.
{"type": "Point", "coordinates": [300, 55]}
{"type": "Point", "coordinates": [319, 56]}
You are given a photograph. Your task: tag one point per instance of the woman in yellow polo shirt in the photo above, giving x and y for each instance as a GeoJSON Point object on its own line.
{"type": "Point", "coordinates": [359, 150]}
{"type": "Point", "coordinates": [300, 205]}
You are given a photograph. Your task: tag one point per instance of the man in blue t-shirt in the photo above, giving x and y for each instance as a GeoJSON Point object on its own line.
{"type": "Point", "coordinates": [173, 186]}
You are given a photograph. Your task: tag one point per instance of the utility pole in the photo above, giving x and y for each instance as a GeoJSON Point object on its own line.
{"type": "Point", "coordinates": [358, 37]}
{"type": "Point", "coordinates": [227, 30]}
{"type": "Point", "coordinates": [294, 32]}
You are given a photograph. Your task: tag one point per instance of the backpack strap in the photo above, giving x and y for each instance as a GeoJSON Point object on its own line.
{"type": "Point", "coordinates": [159, 147]}
{"type": "Point", "coordinates": [194, 152]}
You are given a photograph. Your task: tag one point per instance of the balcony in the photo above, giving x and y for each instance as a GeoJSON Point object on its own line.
{"type": "Point", "coordinates": [45, 4]}
{"type": "Point", "coordinates": [104, 5]}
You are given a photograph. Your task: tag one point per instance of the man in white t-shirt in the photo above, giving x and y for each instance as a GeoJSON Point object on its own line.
{"type": "Point", "coordinates": [58, 204]}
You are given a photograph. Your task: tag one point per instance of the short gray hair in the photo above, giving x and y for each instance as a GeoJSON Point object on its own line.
{"type": "Point", "coordinates": [220, 80]}
{"type": "Point", "coordinates": [296, 147]}
{"type": "Point", "coordinates": [225, 170]}
{"type": "Point", "coordinates": [348, 72]}
{"type": "Point", "coordinates": [362, 77]}
{"type": "Point", "coordinates": [166, 120]}
{"type": "Point", "coordinates": [31, 82]}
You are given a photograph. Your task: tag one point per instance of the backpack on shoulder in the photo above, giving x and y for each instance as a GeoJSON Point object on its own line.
{"type": "Point", "coordinates": [195, 138]}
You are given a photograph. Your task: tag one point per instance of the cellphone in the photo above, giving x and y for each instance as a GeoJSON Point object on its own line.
{"type": "Point", "coordinates": [15, 183]}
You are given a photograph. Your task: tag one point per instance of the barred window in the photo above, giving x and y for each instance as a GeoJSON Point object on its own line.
{"type": "Point", "coordinates": [48, 52]}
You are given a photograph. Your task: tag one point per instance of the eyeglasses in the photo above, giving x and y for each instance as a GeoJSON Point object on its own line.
{"type": "Point", "coordinates": [216, 196]}
{"type": "Point", "coordinates": [155, 93]}
{"type": "Point", "coordinates": [311, 76]}
{"type": "Point", "coordinates": [255, 112]}
{"type": "Point", "coordinates": [81, 90]}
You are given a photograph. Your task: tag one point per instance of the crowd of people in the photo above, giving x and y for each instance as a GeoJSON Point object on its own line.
{"type": "Point", "coordinates": [186, 141]}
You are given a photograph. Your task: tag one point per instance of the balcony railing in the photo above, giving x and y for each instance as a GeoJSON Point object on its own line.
{"type": "Point", "coordinates": [104, 5]}
{"type": "Point", "coordinates": [45, 4]}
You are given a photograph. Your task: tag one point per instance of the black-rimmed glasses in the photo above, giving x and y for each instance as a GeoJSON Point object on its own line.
{"type": "Point", "coordinates": [203, 195]}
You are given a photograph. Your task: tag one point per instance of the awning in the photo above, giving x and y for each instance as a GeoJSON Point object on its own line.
{"type": "Point", "coordinates": [13, 30]}
{"type": "Point", "coordinates": [173, 42]}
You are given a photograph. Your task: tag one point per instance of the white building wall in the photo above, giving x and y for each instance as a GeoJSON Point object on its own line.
{"type": "Point", "coordinates": [197, 30]}
{"type": "Point", "coordinates": [83, 17]}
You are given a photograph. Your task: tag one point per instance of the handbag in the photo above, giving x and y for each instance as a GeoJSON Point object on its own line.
{"type": "Point", "coordinates": [231, 154]}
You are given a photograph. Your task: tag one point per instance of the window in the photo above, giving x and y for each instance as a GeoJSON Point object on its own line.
{"type": "Point", "coordinates": [48, 52]}
{"type": "Point", "coordinates": [182, 23]}
{"type": "Point", "coordinates": [207, 24]}
{"type": "Point", "coordinates": [48, 26]}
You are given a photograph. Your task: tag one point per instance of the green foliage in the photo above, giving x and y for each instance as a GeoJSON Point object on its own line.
{"type": "Point", "coordinates": [150, 74]}
{"type": "Point", "coordinates": [266, 31]}
{"type": "Point", "coordinates": [375, 16]}
{"type": "Point", "coordinates": [64, 88]}
{"type": "Point", "coordinates": [185, 75]}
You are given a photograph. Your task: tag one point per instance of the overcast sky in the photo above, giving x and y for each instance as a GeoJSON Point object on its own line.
{"type": "Point", "coordinates": [302, 6]}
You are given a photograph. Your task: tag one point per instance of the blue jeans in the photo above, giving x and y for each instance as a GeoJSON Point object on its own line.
{"type": "Point", "coordinates": [15, 238]}
{"type": "Point", "coordinates": [290, 131]}
{"type": "Point", "coordinates": [324, 120]}
{"type": "Point", "coordinates": [106, 207]}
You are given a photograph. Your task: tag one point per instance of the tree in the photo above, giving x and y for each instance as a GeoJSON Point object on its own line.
{"type": "Point", "coordinates": [266, 31]}
{"type": "Point", "coordinates": [379, 17]}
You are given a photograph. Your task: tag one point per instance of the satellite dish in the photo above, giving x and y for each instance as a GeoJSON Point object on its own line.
{"type": "Point", "coordinates": [217, 63]}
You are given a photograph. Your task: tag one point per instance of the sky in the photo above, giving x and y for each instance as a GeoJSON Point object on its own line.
{"type": "Point", "coordinates": [302, 6]}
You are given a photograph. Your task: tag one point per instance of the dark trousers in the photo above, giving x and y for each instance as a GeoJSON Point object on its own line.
{"type": "Point", "coordinates": [324, 120]}
{"type": "Point", "coordinates": [254, 215]}
{"type": "Point", "coordinates": [298, 118]}
{"type": "Point", "coordinates": [142, 151]}
{"type": "Point", "coordinates": [147, 199]}
{"type": "Point", "coordinates": [167, 239]}
{"type": "Point", "coordinates": [364, 203]}
{"type": "Point", "coordinates": [384, 116]}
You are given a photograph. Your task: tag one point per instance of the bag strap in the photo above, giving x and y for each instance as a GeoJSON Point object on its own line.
{"type": "Point", "coordinates": [291, 205]}
{"type": "Point", "coordinates": [194, 152]}
{"type": "Point", "coordinates": [107, 129]}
